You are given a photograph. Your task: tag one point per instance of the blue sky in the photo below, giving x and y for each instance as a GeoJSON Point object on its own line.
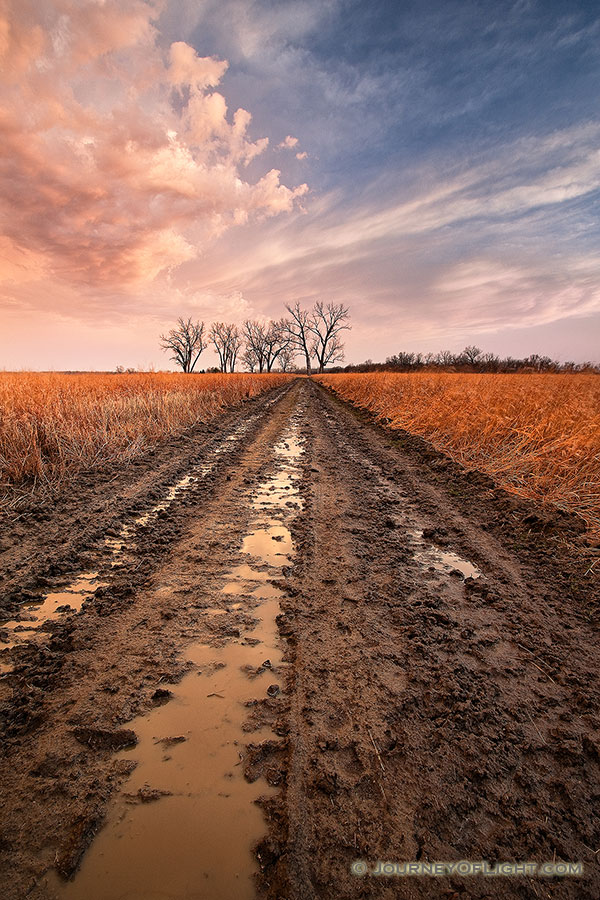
{"type": "Point", "coordinates": [451, 152]}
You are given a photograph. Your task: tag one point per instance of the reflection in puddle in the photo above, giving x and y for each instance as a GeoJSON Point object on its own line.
{"type": "Point", "coordinates": [247, 573]}
{"type": "Point", "coordinates": [53, 607]}
{"type": "Point", "coordinates": [271, 544]}
{"type": "Point", "coordinates": [445, 561]}
{"type": "Point", "coordinates": [426, 554]}
{"type": "Point", "coordinates": [49, 609]}
{"type": "Point", "coordinates": [196, 840]}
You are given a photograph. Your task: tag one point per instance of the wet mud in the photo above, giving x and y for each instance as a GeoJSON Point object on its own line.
{"type": "Point", "coordinates": [190, 753]}
{"type": "Point", "coordinates": [295, 642]}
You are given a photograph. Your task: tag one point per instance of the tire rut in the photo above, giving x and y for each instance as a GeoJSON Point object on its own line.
{"type": "Point", "coordinates": [433, 716]}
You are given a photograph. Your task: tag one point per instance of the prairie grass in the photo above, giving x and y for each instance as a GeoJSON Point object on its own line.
{"type": "Point", "coordinates": [536, 435]}
{"type": "Point", "coordinates": [53, 425]}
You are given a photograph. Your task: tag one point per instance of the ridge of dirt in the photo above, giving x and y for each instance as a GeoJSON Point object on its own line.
{"type": "Point", "coordinates": [538, 534]}
{"type": "Point", "coordinates": [431, 717]}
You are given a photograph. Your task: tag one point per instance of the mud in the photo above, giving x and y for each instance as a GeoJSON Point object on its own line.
{"type": "Point", "coordinates": [201, 838]}
{"type": "Point", "coordinates": [309, 641]}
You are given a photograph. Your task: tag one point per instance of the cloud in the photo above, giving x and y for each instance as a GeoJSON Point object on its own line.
{"type": "Point", "coordinates": [454, 170]}
{"type": "Point", "coordinates": [187, 69]}
{"type": "Point", "coordinates": [121, 158]}
{"type": "Point", "coordinates": [495, 242]}
{"type": "Point", "coordinates": [288, 143]}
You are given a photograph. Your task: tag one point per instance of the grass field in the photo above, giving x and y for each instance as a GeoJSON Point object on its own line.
{"type": "Point", "coordinates": [55, 424]}
{"type": "Point", "coordinates": [536, 435]}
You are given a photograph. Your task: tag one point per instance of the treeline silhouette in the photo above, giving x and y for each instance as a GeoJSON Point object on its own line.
{"type": "Point", "coordinates": [471, 359]}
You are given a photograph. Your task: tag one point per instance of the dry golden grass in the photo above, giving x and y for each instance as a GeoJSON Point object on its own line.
{"type": "Point", "coordinates": [53, 425]}
{"type": "Point", "coordinates": [536, 435]}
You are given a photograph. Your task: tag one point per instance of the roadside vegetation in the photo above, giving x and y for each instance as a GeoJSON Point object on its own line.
{"type": "Point", "coordinates": [537, 435]}
{"type": "Point", "coordinates": [471, 359]}
{"type": "Point", "coordinates": [53, 425]}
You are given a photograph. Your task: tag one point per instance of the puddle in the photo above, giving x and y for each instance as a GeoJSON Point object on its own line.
{"type": "Point", "coordinates": [426, 554]}
{"type": "Point", "coordinates": [445, 561]}
{"type": "Point", "coordinates": [195, 841]}
{"type": "Point", "coordinates": [273, 544]}
{"type": "Point", "coordinates": [247, 573]}
{"type": "Point", "coordinates": [117, 545]}
{"type": "Point", "coordinates": [73, 596]}
{"type": "Point", "coordinates": [53, 607]}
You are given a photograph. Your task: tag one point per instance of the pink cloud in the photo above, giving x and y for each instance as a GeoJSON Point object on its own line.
{"type": "Point", "coordinates": [187, 68]}
{"type": "Point", "coordinates": [289, 143]}
{"type": "Point", "coordinates": [122, 161]}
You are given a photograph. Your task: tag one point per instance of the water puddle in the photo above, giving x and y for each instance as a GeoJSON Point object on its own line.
{"type": "Point", "coordinates": [273, 544]}
{"type": "Point", "coordinates": [427, 555]}
{"type": "Point", "coordinates": [118, 545]}
{"type": "Point", "coordinates": [444, 561]}
{"type": "Point", "coordinates": [54, 605]}
{"type": "Point", "coordinates": [195, 842]}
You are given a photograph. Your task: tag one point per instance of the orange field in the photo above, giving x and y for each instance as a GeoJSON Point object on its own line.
{"type": "Point", "coordinates": [55, 424]}
{"type": "Point", "coordinates": [536, 435]}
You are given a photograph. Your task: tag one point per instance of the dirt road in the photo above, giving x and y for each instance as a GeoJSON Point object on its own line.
{"type": "Point", "coordinates": [395, 659]}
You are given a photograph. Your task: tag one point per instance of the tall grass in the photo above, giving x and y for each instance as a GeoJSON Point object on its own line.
{"type": "Point", "coordinates": [536, 435]}
{"type": "Point", "coordinates": [53, 425]}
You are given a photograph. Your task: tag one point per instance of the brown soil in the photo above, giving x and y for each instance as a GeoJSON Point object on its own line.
{"type": "Point", "coordinates": [421, 715]}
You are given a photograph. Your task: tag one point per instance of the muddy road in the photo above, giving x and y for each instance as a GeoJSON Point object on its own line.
{"type": "Point", "coordinates": [285, 643]}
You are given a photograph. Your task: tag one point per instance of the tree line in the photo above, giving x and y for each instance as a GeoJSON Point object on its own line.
{"type": "Point", "coordinates": [311, 334]}
{"type": "Point", "coordinates": [471, 359]}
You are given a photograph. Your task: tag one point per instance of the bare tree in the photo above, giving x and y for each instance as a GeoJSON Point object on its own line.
{"type": "Point", "coordinates": [445, 358]}
{"type": "Point", "coordinates": [255, 338]}
{"type": "Point", "coordinates": [286, 359]}
{"type": "Point", "coordinates": [186, 343]}
{"type": "Point", "coordinates": [227, 341]}
{"type": "Point", "coordinates": [277, 340]}
{"type": "Point", "coordinates": [265, 341]}
{"type": "Point", "coordinates": [334, 353]}
{"type": "Point", "coordinates": [326, 324]}
{"type": "Point", "coordinates": [405, 360]}
{"type": "Point", "coordinates": [300, 333]}
{"type": "Point", "coordinates": [471, 354]}
{"type": "Point", "coordinates": [234, 343]}
{"type": "Point", "coordinates": [490, 362]}
{"type": "Point", "coordinates": [249, 359]}
{"type": "Point", "coordinates": [218, 336]}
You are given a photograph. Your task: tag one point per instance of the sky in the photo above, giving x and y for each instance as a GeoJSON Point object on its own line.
{"type": "Point", "coordinates": [434, 165]}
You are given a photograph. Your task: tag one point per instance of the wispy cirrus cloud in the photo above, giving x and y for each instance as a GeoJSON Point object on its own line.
{"type": "Point", "coordinates": [465, 250]}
